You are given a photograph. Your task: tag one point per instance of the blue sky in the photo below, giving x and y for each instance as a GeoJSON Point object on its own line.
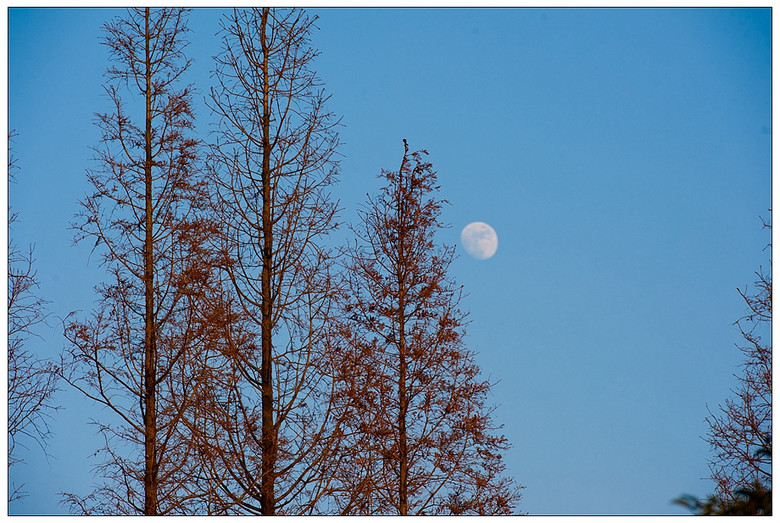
{"type": "Point", "coordinates": [623, 157]}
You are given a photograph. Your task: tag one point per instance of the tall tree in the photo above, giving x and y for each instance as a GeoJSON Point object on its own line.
{"type": "Point", "coordinates": [273, 164]}
{"type": "Point", "coordinates": [140, 354]}
{"type": "Point", "coordinates": [418, 437]}
{"type": "Point", "coordinates": [32, 381]}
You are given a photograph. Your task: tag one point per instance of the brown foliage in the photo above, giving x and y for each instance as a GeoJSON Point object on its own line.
{"type": "Point", "coordinates": [140, 353]}
{"type": "Point", "coordinates": [241, 376]}
{"type": "Point", "coordinates": [269, 429]}
{"type": "Point", "coordinates": [417, 435]}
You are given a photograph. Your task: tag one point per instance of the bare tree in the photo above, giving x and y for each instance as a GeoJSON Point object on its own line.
{"type": "Point", "coordinates": [141, 353]}
{"type": "Point", "coordinates": [418, 437]}
{"type": "Point", "coordinates": [32, 380]}
{"type": "Point", "coordinates": [740, 430]}
{"type": "Point", "coordinates": [273, 164]}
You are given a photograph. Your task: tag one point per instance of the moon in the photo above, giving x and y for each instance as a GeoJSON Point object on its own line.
{"type": "Point", "coordinates": [479, 239]}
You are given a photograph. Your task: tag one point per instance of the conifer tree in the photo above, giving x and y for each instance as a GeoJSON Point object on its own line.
{"type": "Point", "coordinates": [270, 430]}
{"type": "Point", "coordinates": [139, 354]}
{"type": "Point", "coordinates": [418, 435]}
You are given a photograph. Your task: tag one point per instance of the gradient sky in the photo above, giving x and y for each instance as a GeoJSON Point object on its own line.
{"type": "Point", "coordinates": [623, 157]}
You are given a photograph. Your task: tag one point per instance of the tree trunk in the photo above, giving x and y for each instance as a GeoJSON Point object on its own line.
{"type": "Point", "coordinates": [268, 430]}
{"type": "Point", "coordinates": [150, 357]}
{"type": "Point", "coordinates": [402, 450]}
{"type": "Point", "coordinates": [403, 456]}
